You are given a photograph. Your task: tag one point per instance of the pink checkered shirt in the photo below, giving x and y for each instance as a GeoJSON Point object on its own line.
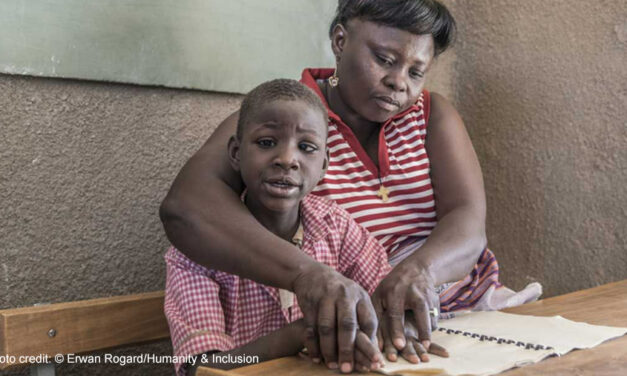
{"type": "Point", "coordinates": [209, 310]}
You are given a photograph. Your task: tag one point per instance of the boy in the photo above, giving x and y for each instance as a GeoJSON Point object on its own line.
{"type": "Point", "coordinates": [280, 151]}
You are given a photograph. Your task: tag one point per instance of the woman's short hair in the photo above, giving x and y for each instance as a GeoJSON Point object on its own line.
{"type": "Point", "coordinates": [416, 16]}
{"type": "Point", "coordinates": [278, 89]}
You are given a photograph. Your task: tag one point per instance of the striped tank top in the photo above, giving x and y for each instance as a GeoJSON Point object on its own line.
{"type": "Point", "coordinates": [395, 201]}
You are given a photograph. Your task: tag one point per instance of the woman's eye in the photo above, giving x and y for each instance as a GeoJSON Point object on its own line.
{"type": "Point", "coordinates": [384, 60]}
{"type": "Point", "coordinates": [265, 143]}
{"type": "Point", "coordinates": [308, 148]}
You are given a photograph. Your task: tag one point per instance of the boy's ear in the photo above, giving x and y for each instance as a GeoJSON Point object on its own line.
{"type": "Point", "coordinates": [325, 164]}
{"type": "Point", "coordinates": [233, 150]}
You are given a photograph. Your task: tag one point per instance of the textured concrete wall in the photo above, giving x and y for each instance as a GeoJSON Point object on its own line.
{"type": "Point", "coordinates": [83, 169]}
{"type": "Point", "coordinates": [542, 86]}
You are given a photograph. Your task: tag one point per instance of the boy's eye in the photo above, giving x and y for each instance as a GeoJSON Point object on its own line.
{"type": "Point", "coordinates": [266, 143]}
{"type": "Point", "coordinates": [308, 148]}
{"type": "Point", "coordinates": [416, 74]}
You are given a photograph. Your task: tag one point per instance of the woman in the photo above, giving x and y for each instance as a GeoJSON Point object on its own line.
{"type": "Point", "coordinates": [401, 162]}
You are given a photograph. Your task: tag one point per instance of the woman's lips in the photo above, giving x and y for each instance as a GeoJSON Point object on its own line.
{"type": "Point", "coordinates": [387, 103]}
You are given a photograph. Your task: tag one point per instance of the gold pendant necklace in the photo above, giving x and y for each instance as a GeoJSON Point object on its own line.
{"type": "Point", "coordinates": [383, 192]}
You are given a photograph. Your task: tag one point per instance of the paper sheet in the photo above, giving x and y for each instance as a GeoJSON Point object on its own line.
{"type": "Point", "coordinates": [471, 356]}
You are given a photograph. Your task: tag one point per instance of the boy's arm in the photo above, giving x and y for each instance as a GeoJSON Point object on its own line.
{"type": "Point", "coordinates": [282, 342]}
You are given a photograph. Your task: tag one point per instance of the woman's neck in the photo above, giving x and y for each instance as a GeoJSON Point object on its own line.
{"type": "Point", "coordinates": [362, 128]}
{"type": "Point", "coordinates": [366, 132]}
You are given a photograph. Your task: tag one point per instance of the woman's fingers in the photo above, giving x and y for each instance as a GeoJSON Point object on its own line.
{"type": "Point", "coordinates": [422, 319]}
{"type": "Point", "coordinates": [311, 334]}
{"type": "Point", "coordinates": [334, 308]}
{"type": "Point", "coordinates": [347, 330]}
{"type": "Point", "coordinates": [435, 303]}
{"type": "Point", "coordinates": [395, 317]}
{"type": "Point", "coordinates": [367, 317]}
{"type": "Point", "coordinates": [380, 339]}
{"type": "Point", "coordinates": [390, 351]}
{"type": "Point", "coordinates": [327, 332]}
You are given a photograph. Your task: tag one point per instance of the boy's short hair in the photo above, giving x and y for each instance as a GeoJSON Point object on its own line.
{"type": "Point", "coordinates": [416, 16]}
{"type": "Point", "coordinates": [279, 89]}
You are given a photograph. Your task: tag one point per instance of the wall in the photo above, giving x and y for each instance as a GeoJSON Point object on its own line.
{"type": "Point", "coordinates": [542, 87]}
{"type": "Point", "coordinates": [83, 169]}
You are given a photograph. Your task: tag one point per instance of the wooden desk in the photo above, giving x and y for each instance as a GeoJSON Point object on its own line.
{"type": "Point", "coordinates": [603, 305]}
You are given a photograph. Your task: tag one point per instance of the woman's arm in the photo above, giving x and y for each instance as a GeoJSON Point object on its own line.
{"type": "Point", "coordinates": [456, 242]}
{"type": "Point", "coordinates": [204, 218]}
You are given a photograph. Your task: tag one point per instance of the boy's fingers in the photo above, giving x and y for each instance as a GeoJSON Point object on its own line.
{"type": "Point", "coordinates": [369, 349]}
{"type": "Point", "coordinates": [409, 353]}
{"type": "Point", "coordinates": [362, 363]}
{"type": "Point", "coordinates": [438, 350]}
{"type": "Point", "coordinates": [420, 351]}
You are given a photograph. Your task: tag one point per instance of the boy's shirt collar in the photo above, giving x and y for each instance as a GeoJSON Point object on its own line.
{"type": "Point", "coordinates": [313, 211]}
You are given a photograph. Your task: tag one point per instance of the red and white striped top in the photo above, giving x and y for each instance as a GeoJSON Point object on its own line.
{"type": "Point", "coordinates": [353, 180]}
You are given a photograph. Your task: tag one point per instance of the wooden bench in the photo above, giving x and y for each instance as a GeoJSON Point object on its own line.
{"type": "Point", "coordinates": [78, 327]}
{"type": "Point", "coordinates": [81, 327]}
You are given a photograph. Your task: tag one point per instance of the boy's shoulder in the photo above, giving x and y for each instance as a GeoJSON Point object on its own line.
{"type": "Point", "coordinates": [318, 206]}
{"type": "Point", "coordinates": [321, 215]}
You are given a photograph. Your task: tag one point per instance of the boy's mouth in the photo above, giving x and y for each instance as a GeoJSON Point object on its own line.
{"type": "Point", "coordinates": [282, 187]}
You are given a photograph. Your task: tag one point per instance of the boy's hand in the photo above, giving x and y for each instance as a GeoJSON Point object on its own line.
{"type": "Point", "coordinates": [367, 355]}
{"type": "Point", "coordinates": [414, 350]}
{"type": "Point", "coordinates": [334, 309]}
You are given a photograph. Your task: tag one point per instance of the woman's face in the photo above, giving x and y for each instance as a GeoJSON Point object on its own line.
{"type": "Point", "coordinates": [381, 69]}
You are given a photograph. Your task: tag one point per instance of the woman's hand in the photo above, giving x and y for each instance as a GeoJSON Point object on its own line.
{"type": "Point", "coordinates": [409, 286]}
{"type": "Point", "coordinates": [335, 309]}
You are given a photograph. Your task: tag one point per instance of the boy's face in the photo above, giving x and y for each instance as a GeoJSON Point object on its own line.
{"type": "Point", "coordinates": [282, 154]}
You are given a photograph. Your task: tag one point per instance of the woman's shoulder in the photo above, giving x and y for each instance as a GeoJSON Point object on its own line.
{"type": "Point", "coordinates": [439, 109]}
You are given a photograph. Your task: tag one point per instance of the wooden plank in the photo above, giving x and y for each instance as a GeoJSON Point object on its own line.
{"type": "Point", "coordinates": [81, 326]}
{"type": "Point", "coordinates": [602, 305]}
{"type": "Point", "coordinates": [599, 305]}
{"type": "Point", "coordinates": [206, 371]}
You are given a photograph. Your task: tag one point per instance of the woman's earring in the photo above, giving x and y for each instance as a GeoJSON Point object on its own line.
{"type": "Point", "coordinates": [334, 80]}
